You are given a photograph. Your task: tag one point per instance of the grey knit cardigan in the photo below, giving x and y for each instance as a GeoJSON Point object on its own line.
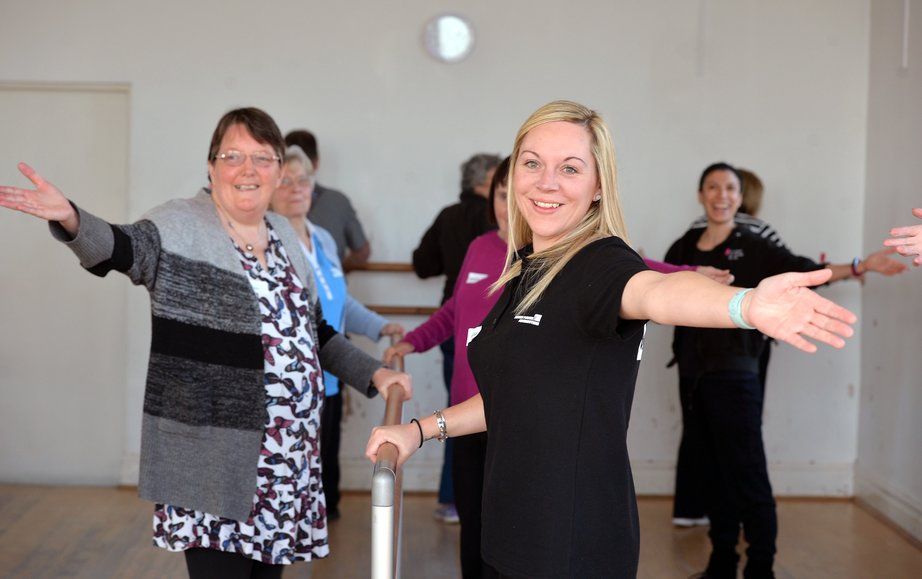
{"type": "Point", "coordinates": [204, 402]}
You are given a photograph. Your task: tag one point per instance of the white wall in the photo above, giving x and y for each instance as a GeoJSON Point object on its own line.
{"type": "Point", "coordinates": [888, 472]}
{"type": "Point", "coordinates": [778, 87]}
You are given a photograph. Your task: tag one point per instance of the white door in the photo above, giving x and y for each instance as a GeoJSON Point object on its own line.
{"type": "Point", "coordinates": [62, 330]}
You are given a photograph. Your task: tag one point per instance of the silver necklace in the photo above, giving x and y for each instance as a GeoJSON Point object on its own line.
{"type": "Point", "coordinates": [246, 244]}
{"type": "Point", "coordinates": [249, 246]}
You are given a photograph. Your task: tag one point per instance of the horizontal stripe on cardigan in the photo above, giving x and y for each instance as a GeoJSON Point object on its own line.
{"type": "Point", "coordinates": [207, 345]}
{"type": "Point", "coordinates": [202, 395]}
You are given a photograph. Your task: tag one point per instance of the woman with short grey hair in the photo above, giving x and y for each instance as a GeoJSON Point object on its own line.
{"type": "Point", "coordinates": [475, 170]}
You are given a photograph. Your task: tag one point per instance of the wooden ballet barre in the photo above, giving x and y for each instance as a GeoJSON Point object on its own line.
{"type": "Point", "coordinates": [403, 310]}
{"type": "Point", "coordinates": [383, 266]}
{"type": "Point", "coordinates": [394, 310]}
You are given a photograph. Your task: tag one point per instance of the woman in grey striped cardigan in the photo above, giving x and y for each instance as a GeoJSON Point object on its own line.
{"type": "Point", "coordinates": [230, 434]}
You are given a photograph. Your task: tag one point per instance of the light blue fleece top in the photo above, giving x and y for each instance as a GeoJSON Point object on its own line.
{"type": "Point", "coordinates": [343, 312]}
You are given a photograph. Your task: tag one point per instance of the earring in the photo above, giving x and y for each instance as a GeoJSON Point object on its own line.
{"type": "Point", "coordinates": [597, 198]}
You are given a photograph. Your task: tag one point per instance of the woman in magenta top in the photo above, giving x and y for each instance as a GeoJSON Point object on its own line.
{"type": "Point", "coordinates": [467, 307]}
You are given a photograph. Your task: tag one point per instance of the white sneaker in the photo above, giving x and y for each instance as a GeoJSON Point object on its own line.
{"type": "Point", "coordinates": [448, 514]}
{"type": "Point", "coordinates": [688, 523]}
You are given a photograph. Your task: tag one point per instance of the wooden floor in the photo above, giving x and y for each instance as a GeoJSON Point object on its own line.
{"type": "Point", "coordinates": [100, 533]}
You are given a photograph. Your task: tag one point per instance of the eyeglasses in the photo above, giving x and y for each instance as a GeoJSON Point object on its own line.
{"type": "Point", "coordinates": [236, 159]}
{"type": "Point", "coordinates": [302, 182]}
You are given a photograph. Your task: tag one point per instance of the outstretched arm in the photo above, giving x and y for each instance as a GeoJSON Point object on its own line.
{"type": "Point", "coordinates": [781, 307]}
{"type": "Point", "coordinates": [908, 240]}
{"type": "Point", "coordinates": [45, 201]}
{"type": "Point", "coordinates": [877, 262]}
{"type": "Point", "coordinates": [101, 246]}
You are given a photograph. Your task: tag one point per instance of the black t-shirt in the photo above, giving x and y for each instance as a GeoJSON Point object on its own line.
{"type": "Point", "coordinates": [557, 385]}
{"type": "Point", "coordinates": [750, 258]}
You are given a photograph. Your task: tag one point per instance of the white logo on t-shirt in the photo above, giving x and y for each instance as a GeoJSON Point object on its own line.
{"type": "Point", "coordinates": [474, 277]}
{"type": "Point", "coordinates": [472, 333]}
{"type": "Point", "coordinates": [534, 320]}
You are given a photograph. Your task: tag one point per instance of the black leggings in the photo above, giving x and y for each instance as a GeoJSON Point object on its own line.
{"type": "Point", "coordinates": [728, 406]}
{"type": "Point", "coordinates": [331, 419]}
{"type": "Point", "coordinates": [213, 564]}
{"type": "Point", "coordinates": [469, 457]}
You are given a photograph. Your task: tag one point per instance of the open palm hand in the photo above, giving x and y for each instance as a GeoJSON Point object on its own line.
{"type": "Point", "coordinates": [45, 201]}
{"type": "Point", "coordinates": [784, 308]}
{"type": "Point", "coordinates": [881, 262]}
{"type": "Point", "coordinates": [908, 240]}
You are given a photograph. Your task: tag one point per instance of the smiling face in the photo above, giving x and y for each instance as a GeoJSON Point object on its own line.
{"type": "Point", "coordinates": [243, 192]}
{"type": "Point", "coordinates": [720, 196]}
{"type": "Point", "coordinates": [293, 196]}
{"type": "Point", "coordinates": [555, 180]}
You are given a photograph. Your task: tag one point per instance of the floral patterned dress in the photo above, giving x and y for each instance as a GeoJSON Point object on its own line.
{"type": "Point", "coordinates": [288, 520]}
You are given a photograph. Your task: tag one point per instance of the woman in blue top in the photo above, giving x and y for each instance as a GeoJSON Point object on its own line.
{"type": "Point", "coordinates": [292, 199]}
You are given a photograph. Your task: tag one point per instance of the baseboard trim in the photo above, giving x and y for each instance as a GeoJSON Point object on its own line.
{"type": "Point", "coordinates": [893, 506]}
{"type": "Point", "coordinates": [131, 469]}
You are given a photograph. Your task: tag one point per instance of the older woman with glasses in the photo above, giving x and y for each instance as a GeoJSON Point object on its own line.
{"type": "Point", "coordinates": [230, 436]}
{"type": "Point", "coordinates": [344, 313]}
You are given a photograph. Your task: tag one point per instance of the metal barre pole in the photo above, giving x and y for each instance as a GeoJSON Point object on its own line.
{"type": "Point", "coordinates": [386, 498]}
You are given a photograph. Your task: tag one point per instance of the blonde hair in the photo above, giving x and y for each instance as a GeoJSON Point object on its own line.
{"type": "Point", "coordinates": [603, 219]}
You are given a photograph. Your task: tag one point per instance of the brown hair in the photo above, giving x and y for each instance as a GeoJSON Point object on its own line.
{"type": "Point", "coordinates": [719, 166]}
{"type": "Point", "coordinates": [499, 179]}
{"type": "Point", "coordinates": [306, 141]}
{"type": "Point", "coordinates": [752, 190]}
{"type": "Point", "coordinates": [257, 122]}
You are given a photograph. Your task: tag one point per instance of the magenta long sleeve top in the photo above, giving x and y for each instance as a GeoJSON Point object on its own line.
{"type": "Point", "coordinates": [664, 267]}
{"type": "Point", "coordinates": [466, 308]}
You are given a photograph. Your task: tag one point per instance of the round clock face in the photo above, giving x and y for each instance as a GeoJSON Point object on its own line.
{"type": "Point", "coordinates": [449, 38]}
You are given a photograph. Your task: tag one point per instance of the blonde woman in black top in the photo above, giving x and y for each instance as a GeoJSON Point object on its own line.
{"type": "Point", "coordinates": [557, 357]}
